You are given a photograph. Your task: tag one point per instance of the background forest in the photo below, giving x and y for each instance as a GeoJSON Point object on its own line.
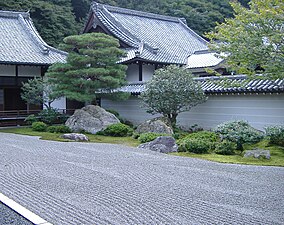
{"type": "Point", "coordinates": [56, 19]}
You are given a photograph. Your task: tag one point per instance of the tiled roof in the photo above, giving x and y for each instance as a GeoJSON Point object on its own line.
{"type": "Point", "coordinates": [203, 59]}
{"type": "Point", "coordinates": [225, 84]}
{"type": "Point", "coordinates": [150, 37]}
{"type": "Point", "coordinates": [20, 43]}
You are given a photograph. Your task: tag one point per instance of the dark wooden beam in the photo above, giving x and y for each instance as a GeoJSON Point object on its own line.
{"type": "Point", "coordinates": [140, 71]}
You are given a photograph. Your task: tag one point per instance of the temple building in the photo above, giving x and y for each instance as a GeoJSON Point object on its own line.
{"type": "Point", "coordinates": [152, 41]}
{"type": "Point", "coordinates": [23, 55]}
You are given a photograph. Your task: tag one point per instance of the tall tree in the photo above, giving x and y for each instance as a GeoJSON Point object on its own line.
{"type": "Point", "coordinates": [253, 41]}
{"type": "Point", "coordinates": [171, 91]}
{"type": "Point", "coordinates": [91, 67]}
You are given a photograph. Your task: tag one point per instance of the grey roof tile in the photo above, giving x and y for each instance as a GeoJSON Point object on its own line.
{"type": "Point", "coordinates": [225, 84]}
{"type": "Point", "coordinates": [164, 39]}
{"type": "Point", "coordinates": [20, 43]}
{"type": "Point", "coordinates": [203, 59]}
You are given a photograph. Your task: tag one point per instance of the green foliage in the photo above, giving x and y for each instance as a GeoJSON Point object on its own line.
{"type": "Point", "coordinates": [225, 148]}
{"type": "Point", "coordinates": [91, 66]}
{"type": "Point", "coordinates": [39, 126]}
{"type": "Point", "coordinates": [31, 119]}
{"type": "Point", "coordinates": [275, 134]}
{"type": "Point", "coordinates": [239, 131]}
{"type": "Point", "coordinates": [253, 40]}
{"type": "Point", "coordinates": [207, 140]}
{"type": "Point", "coordinates": [195, 145]}
{"type": "Point", "coordinates": [147, 137]}
{"type": "Point", "coordinates": [205, 135]}
{"type": "Point", "coordinates": [49, 116]}
{"type": "Point", "coordinates": [171, 91]}
{"type": "Point", "coordinates": [117, 130]}
{"type": "Point", "coordinates": [37, 91]}
{"type": "Point", "coordinates": [58, 129]}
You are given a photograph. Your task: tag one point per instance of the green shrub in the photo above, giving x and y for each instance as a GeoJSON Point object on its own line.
{"type": "Point", "coordinates": [31, 119]}
{"type": "Point", "coordinates": [275, 134]}
{"type": "Point", "coordinates": [135, 135]}
{"type": "Point", "coordinates": [147, 137]}
{"type": "Point", "coordinates": [118, 130]}
{"type": "Point", "coordinates": [49, 116]}
{"type": "Point", "coordinates": [204, 135]}
{"type": "Point", "coordinates": [225, 148]}
{"type": "Point", "coordinates": [51, 129]}
{"type": "Point", "coordinates": [240, 132]}
{"type": "Point", "coordinates": [39, 126]}
{"type": "Point", "coordinates": [59, 129]}
{"type": "Point", "coordinates": [207, 140]}
{"type": "Point", "coordinates": [195, 145]}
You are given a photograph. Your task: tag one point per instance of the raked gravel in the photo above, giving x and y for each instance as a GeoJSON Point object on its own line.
{"type": "Point", "coordinates": [91, 183]}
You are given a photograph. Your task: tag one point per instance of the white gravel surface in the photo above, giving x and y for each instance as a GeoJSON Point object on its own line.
{"type": "Point", "coordinates": [89, 183]}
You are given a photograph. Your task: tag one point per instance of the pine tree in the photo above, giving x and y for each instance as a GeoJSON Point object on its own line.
{"type": "Point", "coordinates": [91, 67]}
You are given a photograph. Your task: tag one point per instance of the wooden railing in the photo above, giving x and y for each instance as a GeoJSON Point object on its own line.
{"type": "Point", "coordinates": [17, 117]}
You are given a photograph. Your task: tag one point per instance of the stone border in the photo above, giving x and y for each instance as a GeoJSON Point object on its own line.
{"type": "Point", "coordinates": [24, 212]}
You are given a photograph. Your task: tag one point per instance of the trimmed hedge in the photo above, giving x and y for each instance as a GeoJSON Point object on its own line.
{"type": "Point", "coordinates": [117, 130]}
{"type": "Point", "coordinates": [39, 126]}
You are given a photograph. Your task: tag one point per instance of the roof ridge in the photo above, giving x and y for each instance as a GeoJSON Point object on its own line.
{"type": "Point", "coordinates": [28, 26]}
{"type": "Point", "coordinates": [140, 13]}
{"type": "Point", "coordinates": [13, 14]}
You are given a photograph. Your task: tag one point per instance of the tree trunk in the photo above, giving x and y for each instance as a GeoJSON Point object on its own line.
{"type": "Point", "coordinates": [173, 119]}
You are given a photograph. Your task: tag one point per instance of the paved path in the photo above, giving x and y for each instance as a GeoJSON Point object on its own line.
{"type": "Point", "coordinates": [83, 183]}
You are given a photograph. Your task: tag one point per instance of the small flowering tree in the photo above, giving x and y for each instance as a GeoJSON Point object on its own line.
{"type": "Point", "coordinates": [172, 90]}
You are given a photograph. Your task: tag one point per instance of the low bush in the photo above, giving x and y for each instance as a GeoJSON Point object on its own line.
{"type": "Point", "coordinates": [31, 119]}
{"type": "Point", "coordinates": [117, 130]}
{"type": "Point", "coordinates": [39, 126]}
{"type": "Point", "coordinates": [195, 145]}
{"type": "Point", "coordinates": [58, 129]}
{"type": "Point", "coordinates": [147, 137]}
{"type": "Point", "coordinates": [275, 134]}
{"type": "Point", "coordinates": [207, 140]}
{"type": "Point", "coordinates": [49, 116]}
{"type": "Point", "coordinates": [225, 148]}
{"type": "Point", "coordinates": [204, 135]}
{"type": "Point", "coordinates": [240, 132]}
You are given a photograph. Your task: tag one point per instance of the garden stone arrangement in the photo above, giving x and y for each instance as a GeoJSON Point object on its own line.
{"type": "Point", "coordinates": [156, 125]}
{"type": "Point", "coordinates": [91, 118]}
{"type": "Point", "coordinates": [75, 137]}
{"type": "Point", "coordinates": [257, 153]}
{"type": "Point", "coordinates": [164, 144]}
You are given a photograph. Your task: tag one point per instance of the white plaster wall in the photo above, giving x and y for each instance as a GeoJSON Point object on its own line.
{"type": "Point", "coordinates": [129, 109]}
{"type": "Point", "coordinates": [132, 73]}
{"type": "Point", "coordinates": [29, 71]}
{"type": "Point", "coordinates": [148, 71]}
{"type": "Point", "coordinates": [7, 70]}
{"type": "Point", "coordinates": [260, 110]}
{"type": "Point", "coordinates": [59, 103]}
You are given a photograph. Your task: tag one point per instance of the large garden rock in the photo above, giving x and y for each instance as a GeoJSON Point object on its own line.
{"type": "Point", "coordinates": [156, 125]}
{"type": "Point", "coordinates": [257, 153]}
{"type": "Point", "coordinates": [164, 144]}
{"type": "Point", "coordinates": [91, 118]}
{"type": "Point", "coordinates": [75, 137]}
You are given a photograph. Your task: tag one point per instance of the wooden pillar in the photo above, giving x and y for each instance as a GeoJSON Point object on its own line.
{"type": "Point", "coordinates": [140, 71]}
